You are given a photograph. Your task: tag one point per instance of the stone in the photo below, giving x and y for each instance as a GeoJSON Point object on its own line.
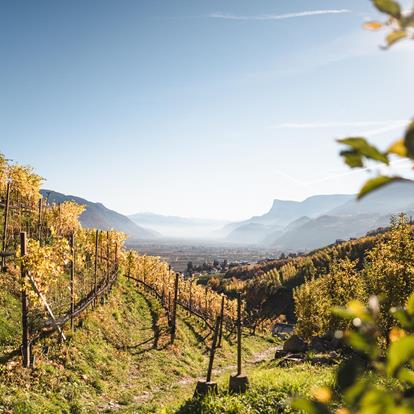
{"type": "Point", "coordinates": [295, 344]}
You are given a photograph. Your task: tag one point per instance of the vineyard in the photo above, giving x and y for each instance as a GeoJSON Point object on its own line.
{"type": "Point", "coordinates": [56, 277]}
{"type": "Point", "coordinates": [59, 270]}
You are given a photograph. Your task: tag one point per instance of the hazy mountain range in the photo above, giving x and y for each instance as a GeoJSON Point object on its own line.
{"type": "Point", "coordinates": [321, 220]}
{"type": "Point", "coordinates": [288, 226]}
{"type": "Point", "coordinates": [98, 216]}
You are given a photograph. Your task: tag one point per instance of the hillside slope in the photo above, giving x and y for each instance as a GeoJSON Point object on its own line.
{"type": "Point", "coordinates": [98, 216]}
{"type": "Point", "coordinates": [120, 360]}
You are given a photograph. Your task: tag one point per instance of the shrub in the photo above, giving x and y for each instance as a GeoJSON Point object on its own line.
{"type": "Point", "coordinates": [314, 299]}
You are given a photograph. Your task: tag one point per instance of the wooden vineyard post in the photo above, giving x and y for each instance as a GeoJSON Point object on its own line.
{"type": "Point", "coordinates": [25, 304]}
{"type": "Point", "coordinates": [174, 310]}
{"type": "Point", "coordinates": [190, 305]}
{"type": "Point", "coordinates": [239, 382]}
{"type": "Point", "coordinates": [107, 256]}
{"type": "Point", "coordinates": [5, 225]}
{"type": "Point", "coordinates": [239, 335]}
{"type": "Point", "coordinates": [221, 321]}
{"type": "Point", "coordinates": [39, 224]}
{"type": "Point", "coordinates": [207, 386]}
{"type": "Point", "coordinates": [206, 301]}
{"type": "Point", "coordinates": [95, 273]}
{"type": "Point", "coordinates": [72, 281]}
{"type": "Point", "coordinates": [116, 257]}
{"type": "Point", "coordinates": [169, 306]}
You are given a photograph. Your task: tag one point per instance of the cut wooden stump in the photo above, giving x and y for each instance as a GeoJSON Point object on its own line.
{"type": "Point", "coordinates": [203, 388]}
{"type": "Point", "coordinates": [238, 384]}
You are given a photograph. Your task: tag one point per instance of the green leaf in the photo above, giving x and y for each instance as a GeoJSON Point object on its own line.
{"type": "Point", "coordinates": [409, 140]}
{"type": "Point", "coordinates": [377, 401]}
{"type": "Point", "coordinates": [310, 407]}
{"type": "Point", "coordinates": [360, 342]}
{"type": "Point", "coordinates": [361, 146]}
{"type": "Point", "coordinates": [406, 375]}
{"type": "Point", "coordinates": [352, 158]}
{"type": "Point", "coordinates": [376, 183]}
{"type": "Point", "coordinates": [410, 304]}
{"type": "Point", "coordinates": [342, 313]}
{"type": "Point", "coordinates": [395, 37]}
{"type": "Point", "coordinates": [348, 373]}
{"type": "Point", "coordinates": [353, 394]}
{"type": "Point", "coordinates": [400, 353]}
{"type": "Point", "coordinates": [402, 410]}
{"type": "Point", "coordinates": [389, 7]}
{"type": "Point", "coordinates": [403, 318]}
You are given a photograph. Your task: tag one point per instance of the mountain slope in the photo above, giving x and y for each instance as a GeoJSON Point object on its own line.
{"type": "Point", "coordinates": [389, 200]}
{"type": "Point", "coordinates": [281, 214]}
{"type": "Point", "coordinates": [320, 220]}
{"type": "Point", "coordinates": [98, 216]}
{"type": "Point", "coordinates": [325, 230]}
{"type": "Point", "coordinates": [250, 233]}
{"type": "Point", "coordinates": [284, 212]}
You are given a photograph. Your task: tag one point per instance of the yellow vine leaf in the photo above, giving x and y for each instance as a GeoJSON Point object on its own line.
{"type": "Point", "coordinates": [395, 37]}
{"type": "Point", "coordinates": [398, 148]}
{"type": "Point", "coordinates": [323, 395]}
{"type": "Point", "coordinates": [396, 334]}
{"type": "Point", "coordinates": [372, 26]}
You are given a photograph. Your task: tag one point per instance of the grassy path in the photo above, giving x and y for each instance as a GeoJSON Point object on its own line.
{"type": "Point", "coordinates": [121, 361]}
{"type": "Point", "coordinates": [172, 371]}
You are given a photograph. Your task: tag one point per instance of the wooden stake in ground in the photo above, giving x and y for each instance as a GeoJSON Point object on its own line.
{"type": "Point", "coordinates": [239, 382]}
{"type": "Point", "coordinates": [116, 256]}
{"type": "Point", "coordinates": [206, 301]}
{"type": "Point", "coordinates": [5, 225]}
{"type": "Point", "coordinates": [25, 304]}
{"type": "Point", "coordinates": [221, 322]}
{"type": "Point", "coordinates": [207, 386]}
{"type": "Point", "coordinates": [191, 294]}
{"type": "Point", "coordinates": [72, 281]}
{"type": "Point", "coordinates": [95, 273]}
{"type": "Point", "coordinates": [107, 255]}
{"type": "Point", "coordinates": [174, 310]}
{"type": "Point", "coordinates": [169, 307]}
{"type": "Point", "coordinates": [39, 224]}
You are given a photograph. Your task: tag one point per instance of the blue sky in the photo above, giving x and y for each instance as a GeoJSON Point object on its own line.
{"type": "Point", "coordinates": [194, 107]}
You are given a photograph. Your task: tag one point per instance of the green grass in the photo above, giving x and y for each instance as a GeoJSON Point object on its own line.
{"type": "Point", "coordinates": [119, 361]}
{"type": "Point", "coordinates": [271, 391]}
{"type": "Point", "coordinates": [9, 317]}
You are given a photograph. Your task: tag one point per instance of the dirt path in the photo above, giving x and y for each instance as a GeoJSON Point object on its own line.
{"type": "Point", "coordinates": [256, 358]}
{"type": "Point", "coordinates": [180, 385]}
{"type": "Point", "coordinates": [147, 396]}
